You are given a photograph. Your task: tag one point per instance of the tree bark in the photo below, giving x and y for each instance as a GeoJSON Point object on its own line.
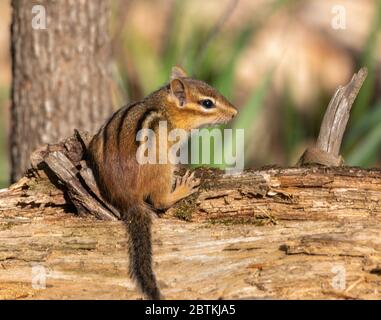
{"type": "Point", "coordinates": [61, 77]}
{"type": "Point", "coordinates": [311, 232]}
{"type": "Point", "coordinates": [287, 233]}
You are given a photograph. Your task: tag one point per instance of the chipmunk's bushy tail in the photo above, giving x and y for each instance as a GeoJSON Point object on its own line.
{"type": "Point", "coordinates": [138, 222]}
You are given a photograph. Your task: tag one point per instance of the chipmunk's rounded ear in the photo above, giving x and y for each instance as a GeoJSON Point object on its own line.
{"type": "Point", "coordinates": [178, 90]}
{"type": "Point", "coordinates": [178, 72]}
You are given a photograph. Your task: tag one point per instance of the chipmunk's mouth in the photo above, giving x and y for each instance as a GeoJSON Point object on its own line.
{"type": "Point", "coordinates": [214, 123]}
{"type": "Point", "coordinates": [222, 120]}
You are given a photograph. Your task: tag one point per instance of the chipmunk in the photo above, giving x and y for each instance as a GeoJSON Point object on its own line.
{"type": "Point", "coordinates": [134, 188]}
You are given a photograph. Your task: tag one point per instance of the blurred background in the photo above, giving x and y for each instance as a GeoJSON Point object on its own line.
{"type": "Point", "coordinates": [278, 61]}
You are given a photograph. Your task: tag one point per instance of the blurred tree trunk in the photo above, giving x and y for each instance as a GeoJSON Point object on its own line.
{"type": "Point", "coordinates": [61, 76]}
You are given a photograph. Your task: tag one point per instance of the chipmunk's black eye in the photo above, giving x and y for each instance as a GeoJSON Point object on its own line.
{"type": "Point", "coordinates": [207, 103]}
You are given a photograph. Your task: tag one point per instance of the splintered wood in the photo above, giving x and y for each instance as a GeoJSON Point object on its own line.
{"type": "Point", "coordinates": [277, 233]}
{"type": "Point", "coordinates": [326, 150]}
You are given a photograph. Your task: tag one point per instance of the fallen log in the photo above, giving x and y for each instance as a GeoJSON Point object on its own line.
{"type": "Point", "coordinates": [273, 233]}
{"type": "Point", "coordinates": [303, 232]}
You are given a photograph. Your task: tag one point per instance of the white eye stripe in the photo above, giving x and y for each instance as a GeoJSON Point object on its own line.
{"type": "Point", "coordinates": [211, 110]}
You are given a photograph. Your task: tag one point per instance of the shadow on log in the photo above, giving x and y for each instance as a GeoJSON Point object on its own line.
{"type": "Point", "coordinates": [303, 232]}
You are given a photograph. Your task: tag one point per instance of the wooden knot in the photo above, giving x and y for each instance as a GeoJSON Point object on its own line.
{"type": "Point", "coordinates": [314, 155]}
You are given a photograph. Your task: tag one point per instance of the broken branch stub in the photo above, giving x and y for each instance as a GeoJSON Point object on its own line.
{"type": "Point", "coordinates": [64, 163]}
{"type": "Point", "coordinates": [65, 166]}
{"type": "Point", "coordinates": [327, 148]}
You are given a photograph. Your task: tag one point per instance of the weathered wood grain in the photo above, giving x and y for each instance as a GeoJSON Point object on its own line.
{"type": "Point", "coordinates": [284, 233]}
{"type": "Point", "coordinates": [326, 150]}
{"type": "Point", "coordinates": [271, 233]}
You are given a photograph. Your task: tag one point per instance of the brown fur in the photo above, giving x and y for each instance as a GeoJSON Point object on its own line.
{"type": "Point", "coordinates": [127, 184]}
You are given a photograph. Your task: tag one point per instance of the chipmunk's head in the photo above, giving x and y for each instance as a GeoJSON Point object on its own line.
{"type": "Point", "coordinates": [195, 104]}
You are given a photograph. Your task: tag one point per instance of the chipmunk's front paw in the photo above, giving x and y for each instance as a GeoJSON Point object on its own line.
{"type": "Point", "coordinates": [186, 185]}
